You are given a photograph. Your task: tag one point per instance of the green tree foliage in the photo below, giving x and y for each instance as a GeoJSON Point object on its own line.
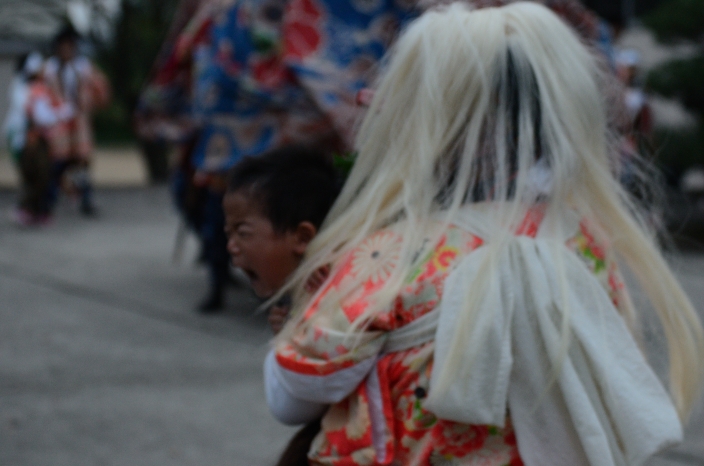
{"type": "Point", "coordinates": [128, 59]}
{"type": "Point", "coordinates": [677, 19]}
{"type": "Point", "coordinates": [677, 150]}
{"type": "Point", "coordinates": [681, 79]}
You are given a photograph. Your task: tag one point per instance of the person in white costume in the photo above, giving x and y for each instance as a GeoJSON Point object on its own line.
{"type": "Point", "coordinates": [15, 124]}
{"type": "Point", "coordinates": [34, 117]}
{"type": "Point", "coordinates": [77, 81]}
{"type": "Point", "coordinates": [461, 322]}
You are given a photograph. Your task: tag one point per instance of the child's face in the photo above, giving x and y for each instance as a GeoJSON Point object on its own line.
{"type": "Point", "coordinates": [267, 257]}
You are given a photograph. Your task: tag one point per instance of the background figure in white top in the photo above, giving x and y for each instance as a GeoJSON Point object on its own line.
{"type": "Point", "coordinates": [15, 124]}
{"type": "Point", "coordinates": [77, 81]}
{"type": "Point", "coordinates": [32, 127]}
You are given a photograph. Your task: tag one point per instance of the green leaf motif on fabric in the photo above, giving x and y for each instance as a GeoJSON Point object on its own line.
{"type": "Point", "coordinates": [599, 264]}
{"type": "Point", "coordinates": [423, 418]}
{"type": "Point", "coordinates": [263, 43]}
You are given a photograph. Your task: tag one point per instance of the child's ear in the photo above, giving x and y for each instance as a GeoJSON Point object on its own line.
{"type": "Point", "coordinates": [303, 234]}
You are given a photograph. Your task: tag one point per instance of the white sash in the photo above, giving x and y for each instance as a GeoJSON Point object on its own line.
{"type": "Point", "coordinates": [605, 405]}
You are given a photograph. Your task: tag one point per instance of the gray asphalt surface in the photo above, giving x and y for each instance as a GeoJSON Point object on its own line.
{"type": "Point", "coordinates": [104, 362]}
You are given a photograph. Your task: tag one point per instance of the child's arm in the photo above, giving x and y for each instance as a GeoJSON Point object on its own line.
{"type": "Point", "coordinates": [285, 406]}
{"type": "Point", "coordinates": [320, 363]}
{"type": "Point", "coordinates": [317, 278]}
{"type": "Point", "coordinates": [278, 313]}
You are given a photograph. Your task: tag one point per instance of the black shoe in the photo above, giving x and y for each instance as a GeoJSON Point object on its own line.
{"type": "Point", "coordinates": [213, 304]}
{"type": "Point", "coordinates": [89, 210]}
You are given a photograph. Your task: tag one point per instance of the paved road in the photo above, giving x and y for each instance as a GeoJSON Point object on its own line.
{"type": "Point", "coordinates": [104, 362]}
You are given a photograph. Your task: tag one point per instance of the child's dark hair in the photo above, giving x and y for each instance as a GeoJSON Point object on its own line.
{"type": "Point", "coordinates": [66, 34]}
{"type": "Point", "coordinates": [292, 184]}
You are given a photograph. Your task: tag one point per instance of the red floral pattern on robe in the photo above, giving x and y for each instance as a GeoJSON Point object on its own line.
{"type": "Point", "coordinates": [383, 421]}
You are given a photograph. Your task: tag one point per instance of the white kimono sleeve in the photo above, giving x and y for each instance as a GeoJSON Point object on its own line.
{"type": "Point", "coordinates": [284, 406]}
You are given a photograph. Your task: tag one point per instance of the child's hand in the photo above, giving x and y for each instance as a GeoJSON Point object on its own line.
{"type": "Point", "coordinates": [278, 314]}
{"type": "Point", "coordinates": [317, 278]}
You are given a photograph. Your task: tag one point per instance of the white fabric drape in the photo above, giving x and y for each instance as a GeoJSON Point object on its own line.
{"type": "Point", "coordinates": [605, 405]}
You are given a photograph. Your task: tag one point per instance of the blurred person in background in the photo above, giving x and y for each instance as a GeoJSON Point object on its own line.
{"type": "Point", "coordinates": [36, 129]}
{"type": "Point", "coordinates": [636, 137]}
{"type": "Point", "coordinates": [635, 100]}
{"type": "Point", "coordinates": [15, 125]}
{"type": "Point", "coordinates": [212, 186]}
{"type": "Point", "coordinates": [74, 78]}
{"type": "Point", "coordinates": [244, 78]}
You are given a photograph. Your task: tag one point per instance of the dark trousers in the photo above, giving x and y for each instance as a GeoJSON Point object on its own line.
{"type": "Point", "coordinates": [79, 178]}
{"type": "Point", "coordinates": [212, 234]}
{"type": "Point", "coordinates": [35, 172]}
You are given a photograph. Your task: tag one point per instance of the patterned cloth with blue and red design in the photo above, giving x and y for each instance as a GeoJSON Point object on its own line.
{"type": "Point", "coordinates": [253, 75]}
